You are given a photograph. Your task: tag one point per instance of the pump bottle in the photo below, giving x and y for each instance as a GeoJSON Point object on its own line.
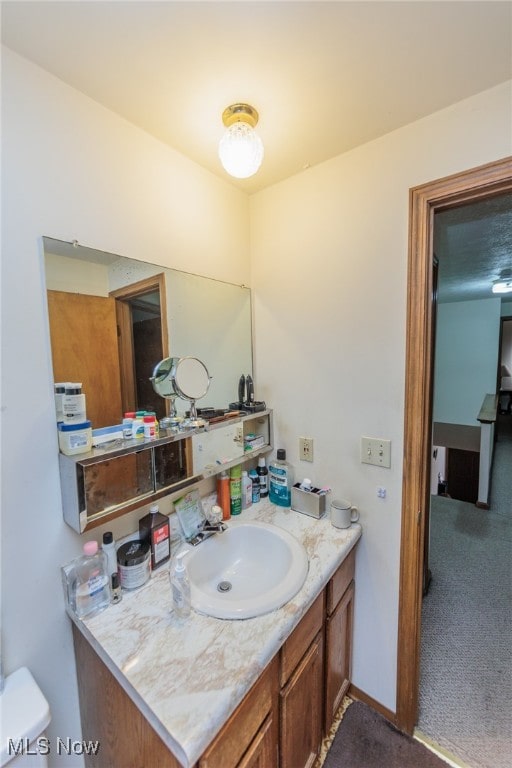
{"type": "Point", "coordinates": [180, 587]}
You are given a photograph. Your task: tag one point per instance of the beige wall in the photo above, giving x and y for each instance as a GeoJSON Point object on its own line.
{"type": "Point", "coordinates": [329, 275]}
{"type": "Point", "coordinates": [71, 169]}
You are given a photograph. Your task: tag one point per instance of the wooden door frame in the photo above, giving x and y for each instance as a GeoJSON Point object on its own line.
{"type": "Point", "coordinates": [123, 311]}
{"type": "Point", "coordinates": [424, 201]}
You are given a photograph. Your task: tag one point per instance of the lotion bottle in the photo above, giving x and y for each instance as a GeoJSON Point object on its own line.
{"type": "Point", "coordinates": [180, 587]}
{"type": "Point", "coordinates": [246, 490]}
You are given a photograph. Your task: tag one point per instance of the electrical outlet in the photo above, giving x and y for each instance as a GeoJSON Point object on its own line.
{"type": "Point", "coordinates": [306, 448]}
{"type": "Point", "coordinates": [374, 450]}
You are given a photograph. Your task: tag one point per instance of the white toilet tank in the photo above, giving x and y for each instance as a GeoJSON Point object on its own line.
{"type": "Point", "coordinates": [24, 715]}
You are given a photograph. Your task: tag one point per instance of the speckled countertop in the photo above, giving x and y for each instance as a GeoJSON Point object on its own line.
{"type": "Point", "coordinates": [188, 675]}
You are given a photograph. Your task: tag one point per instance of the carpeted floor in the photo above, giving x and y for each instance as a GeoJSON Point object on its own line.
{"type": "Point", "coordinates": [465, 701]}
{"type": "Point", "coordinates": [365, 739]}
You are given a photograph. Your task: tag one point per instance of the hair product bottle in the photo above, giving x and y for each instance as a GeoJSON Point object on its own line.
{"type": "Point", "coordinates": [235, 489]}
{"type": "Point", "coordinates": [223, 498]}
{"type": "Point", "coordinates": [263, 476]}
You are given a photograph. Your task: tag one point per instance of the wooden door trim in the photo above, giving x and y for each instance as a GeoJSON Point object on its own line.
{"type": "Point", "coordinates": [123, 314]}
{"type": "Point", "coordinates": [425, 200]}
{"type": "Point", "coordinates": [156, 282]}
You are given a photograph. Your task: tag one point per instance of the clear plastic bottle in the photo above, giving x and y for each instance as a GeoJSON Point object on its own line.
{"type": "Point", "coordinates": [280, 475]}
{"type": "Point", "coordinates": [91, 588]}
{"type": "Point", "coordinates": [180, 587]}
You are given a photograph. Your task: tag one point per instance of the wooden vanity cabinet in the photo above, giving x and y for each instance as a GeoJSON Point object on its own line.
{"type": "Point", "coordinates": [280, 722]}
{"type": "Point", "coordinates": [249, 738]}
{"type": "Point", "coordinates": [338, 637]}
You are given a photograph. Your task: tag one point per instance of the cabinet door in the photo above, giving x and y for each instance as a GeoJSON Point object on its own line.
{"type": "Point", "coordinates": [251, 731]}
{"type": "Point", "coordinates": [263, 751]}
{"type": "Point", "coordinates": [338, 633]}
{"type": "Point", "coordinates": [301, 710]}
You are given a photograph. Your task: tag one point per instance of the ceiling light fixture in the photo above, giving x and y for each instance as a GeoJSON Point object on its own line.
{"type": "Point", "coordinates": [503, 284]}
{"type": "Point", "coordinates": [240, 149]}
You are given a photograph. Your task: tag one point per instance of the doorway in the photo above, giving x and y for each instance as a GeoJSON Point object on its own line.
{"type": "Point", "coordinates": [424, 201]}
{"type": "Point", "coordinates": [142, 341]}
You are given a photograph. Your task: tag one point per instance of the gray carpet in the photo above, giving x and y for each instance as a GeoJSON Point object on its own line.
{"type": "Point", "coordinates": [466, 655]}
{"type": "Point", "coordinates": [365, 739]}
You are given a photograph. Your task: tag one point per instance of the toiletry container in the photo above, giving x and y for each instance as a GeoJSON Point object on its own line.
{"type": "Point", "coordinates": [137, 428]}
{"type": "Point", "coordinates": [73, 403]}
{"type": "Point", "coordinates": [75, 438]}
{"type": "Point", "coordinates": [134, 563]}
{"type": "Point", "coordinates": [24, 716]}
{"type": "Point", "coordinates": [180, 587]}
{"type": "Point", "coordinates": [91, 592]}
{"type": "Point", "coordinates": [223, 499]}
{"type": "Point", "coordinates": [235, 489]}
{"type": "Point", "coordinates": [255, 486]}
{"type": "Point", "coordinates": [263, 476]}
{"type": "Point", "coordinates": [280, 476]}
{"type": "Point", "coordinates": [60, 389]}
{"type": "Point", "coordinates": [246, 490]}
{"type": "Point", "coordinates": [109, 548]}
{"type": "Point", "coordinates": [154, 528]}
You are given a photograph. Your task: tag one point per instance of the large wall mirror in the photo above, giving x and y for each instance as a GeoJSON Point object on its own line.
{"type": "Point", "coordinates": [112, 319]}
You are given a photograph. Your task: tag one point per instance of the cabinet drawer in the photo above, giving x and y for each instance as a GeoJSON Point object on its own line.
{"type": "Point", "coordinates": [301, 638]}
{"type": "Point", "coordinates": [236, 736]}
{"type": "Point", "coordinates": [340, 581]}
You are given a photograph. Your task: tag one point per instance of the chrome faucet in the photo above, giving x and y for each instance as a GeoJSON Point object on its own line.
{"type": "Point", "coordinates": [211, 524]}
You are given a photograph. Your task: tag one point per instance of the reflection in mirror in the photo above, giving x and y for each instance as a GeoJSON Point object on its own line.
{"type": "Point", "coordinates": [185, 377]}
{"type": "Point", "coordinates": [113, 318]}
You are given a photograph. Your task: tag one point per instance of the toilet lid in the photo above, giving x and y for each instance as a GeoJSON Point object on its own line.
{"type": "Point", "coordinates": [24, 712]}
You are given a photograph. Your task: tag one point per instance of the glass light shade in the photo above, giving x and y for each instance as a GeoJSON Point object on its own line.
{"type": "Point", "coordinates": [241, 150]}
{"type": "Point", "coordinates": [503, 286]}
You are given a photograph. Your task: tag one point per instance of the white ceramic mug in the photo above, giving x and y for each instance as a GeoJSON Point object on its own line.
{"type": "Point", "coordinates": [343, 513]}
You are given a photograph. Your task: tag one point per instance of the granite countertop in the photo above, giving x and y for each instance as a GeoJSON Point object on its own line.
{"type": "Point", "coordinates": [188, 675]}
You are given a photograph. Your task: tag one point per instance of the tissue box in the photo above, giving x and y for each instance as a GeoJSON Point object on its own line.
{"type": "Point", "coordinates": [312, 503]}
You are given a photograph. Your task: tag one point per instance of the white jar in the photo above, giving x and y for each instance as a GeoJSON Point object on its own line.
{"type": "Point", "coordinates": [75, 438]}
{"type": "Point", "coordinates": [73, 404]}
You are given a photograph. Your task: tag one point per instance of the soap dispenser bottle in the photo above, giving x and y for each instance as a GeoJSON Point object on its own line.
{"type": "Point", "coordinates": [180, 587]}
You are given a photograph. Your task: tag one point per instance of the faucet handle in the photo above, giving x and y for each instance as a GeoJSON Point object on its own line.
{"type": "Point", "coordinates": [214, 517]}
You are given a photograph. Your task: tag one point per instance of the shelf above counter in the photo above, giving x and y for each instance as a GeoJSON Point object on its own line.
{"type": "Point", "coordinates": [111, 480]}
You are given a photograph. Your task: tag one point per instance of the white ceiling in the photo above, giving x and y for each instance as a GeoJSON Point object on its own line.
{"type": "Point", "coordinates": [324, 76]}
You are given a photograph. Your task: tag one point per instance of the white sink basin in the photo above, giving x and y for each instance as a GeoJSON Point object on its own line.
{"type": "Point", "coordinates": [246, 571]}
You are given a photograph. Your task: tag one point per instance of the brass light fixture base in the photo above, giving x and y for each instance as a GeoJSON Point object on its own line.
{"type": "Point", "coordinates": [240, 113]}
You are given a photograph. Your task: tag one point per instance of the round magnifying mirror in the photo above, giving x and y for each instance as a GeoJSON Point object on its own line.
{"type": "Point", "coordinates": [191, 378]}
{"type": "Point", "coordinates": [185, 377]}
{"type": "Point", "coordinates": [162, 381]}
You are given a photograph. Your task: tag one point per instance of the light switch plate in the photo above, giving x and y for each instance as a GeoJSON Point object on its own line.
{"type": "Point", "coordinates": [375, 450]}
